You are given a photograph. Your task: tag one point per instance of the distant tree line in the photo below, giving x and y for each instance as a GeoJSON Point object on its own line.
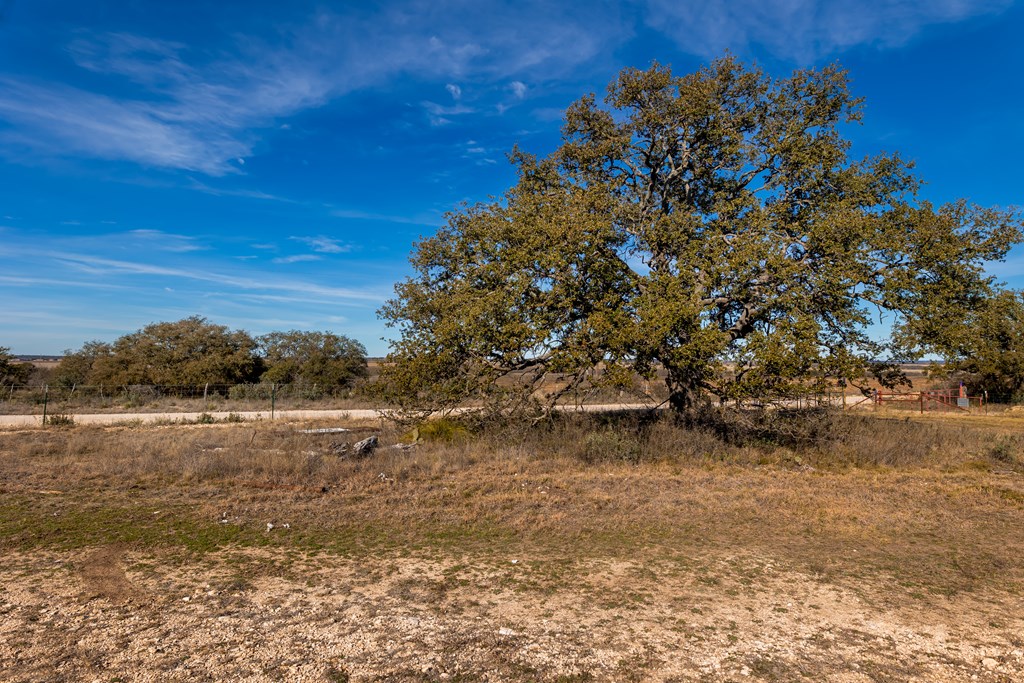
{"type": "Point", "coordinates": [195, 351]}
{"type": "Point", "coordinates": [11, 371]}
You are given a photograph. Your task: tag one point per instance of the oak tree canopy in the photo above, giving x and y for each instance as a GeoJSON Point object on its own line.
{"type": "Point", "coordinates": [713, 225]}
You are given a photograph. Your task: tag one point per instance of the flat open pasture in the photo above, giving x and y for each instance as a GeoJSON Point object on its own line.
{"type": "Point", "coordinates": [856, 548]}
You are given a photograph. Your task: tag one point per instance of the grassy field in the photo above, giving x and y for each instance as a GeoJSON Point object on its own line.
{"type": "Point", "coordinates": [827, 548]}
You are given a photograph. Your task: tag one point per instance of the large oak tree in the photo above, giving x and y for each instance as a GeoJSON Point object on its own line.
{"type": "Point", "coordinates": [713, 225]}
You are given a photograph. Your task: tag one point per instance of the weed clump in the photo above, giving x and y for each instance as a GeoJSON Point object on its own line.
{"type": "Point", "coordinates": [1005, 451]}
{"type": "Point", "coordinates": [60, 420]}
{"type": "Point", "coordinates": [609, 445]}
{"type": "Point", "coordinates": [443, 429]}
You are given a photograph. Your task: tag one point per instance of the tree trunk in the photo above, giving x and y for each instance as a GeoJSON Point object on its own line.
{"type": "Point", "coordinates": [685, 395]}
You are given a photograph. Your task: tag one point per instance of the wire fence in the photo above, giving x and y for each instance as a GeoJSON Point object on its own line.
{"type": "Point", "coordinates": [62, 399]}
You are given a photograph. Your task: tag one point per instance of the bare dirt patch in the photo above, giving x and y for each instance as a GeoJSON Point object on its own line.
{"type": "Point", "coordinates": [256, 553]}
{"type": "Point", "coordinates": [262, 616]}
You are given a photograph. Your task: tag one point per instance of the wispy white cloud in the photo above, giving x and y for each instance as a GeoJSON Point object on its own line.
{"type": "Point", "coordinates": [100, 266]}
{"type": "Point", "coordinates": [184, 113]}
{"type": "Point", "coordinates": [24, 281]}
{"type": "Point", "coordinates": [481, 156]}
{"type": "Point", "coordinates": [164, 241]}
{"type": "Point", "coordinates": [324, 245]}
{"type": "Point", "coordinates": [56, 120]}
{"type": "Point", "coordinates": [804, 30]}
{"type": "Point", "coordinates": [298, 258]}
{"type": "Point", "coordinates": [169, 105]}
{"type": "Point", "coordinates": [165, 104]}
{"type": "Point", "coordinates": [438, 113]}
{"type": "Point", "coordinates": [194, 184]}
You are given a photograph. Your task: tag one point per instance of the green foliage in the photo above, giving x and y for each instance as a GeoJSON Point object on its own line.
{"type": "Point", "coordinates": [76, 367]}
{"type": "Point", "coordinates": [442, 429]}
{"type": "Point", "coordinates": [610, 445]}
{"type": "Point", "coordinates": [700, 224]}
{"type": "Point", "coordinates": [191, 351]}
{"type": "Point", "coordinates": [12, 372]}
{"type": "Point", "coordinates": [249, 392]}
{"type": "Point", "coordinates": [195, 352]}
{"type": "Point", "coordinates": [985, 349]}
{"type": "Point", "coordinates": [313, 359]}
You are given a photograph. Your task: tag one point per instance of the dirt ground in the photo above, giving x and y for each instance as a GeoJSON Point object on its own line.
{"type": "Point", "coordinates": [255, 552]}
{"type": "Point", "coordinates": [111, 615]}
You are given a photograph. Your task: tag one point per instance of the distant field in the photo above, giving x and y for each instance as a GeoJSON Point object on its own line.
{"type": "Point", "coordinates": [859, 548]}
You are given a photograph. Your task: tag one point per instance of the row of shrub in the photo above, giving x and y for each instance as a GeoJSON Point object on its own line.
{"type": "Point", "coordinates": [196, 352]}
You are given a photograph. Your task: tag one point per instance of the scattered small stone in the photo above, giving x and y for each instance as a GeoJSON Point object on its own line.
{"type": "Point", "coordinates": [989, 663]}
{"type": "Point", "coordinates": [745, 671]}
{"type": "Point", "coordinates": [270, 526]}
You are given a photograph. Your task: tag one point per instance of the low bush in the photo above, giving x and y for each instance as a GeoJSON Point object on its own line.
{"type": "Point", "coordinates": [443, 429]}
{"type": "Point", "coordinates": [60, 420]}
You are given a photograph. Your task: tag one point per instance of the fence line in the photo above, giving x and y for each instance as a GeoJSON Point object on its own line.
{"type": "Point", "coordinates": [63, 400]}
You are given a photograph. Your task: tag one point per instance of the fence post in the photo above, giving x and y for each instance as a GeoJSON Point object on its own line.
{"type": "Point", "coordinates": [273, 398]}
{"type": "Point", "coordinates": [46, 397]}
{"type": "Point", "coordinates": [205, 390]}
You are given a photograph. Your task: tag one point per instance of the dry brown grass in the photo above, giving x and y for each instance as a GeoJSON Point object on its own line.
{"type": "Point", "coordinates": [830, 547]}
{"type": "Point", "coordinates": [936, 506]}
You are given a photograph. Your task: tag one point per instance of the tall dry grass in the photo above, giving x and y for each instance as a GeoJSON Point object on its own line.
{"type": "Point", "coordinates": [283, 455]}
{"type": "Point", "coordinates": [939, 502]}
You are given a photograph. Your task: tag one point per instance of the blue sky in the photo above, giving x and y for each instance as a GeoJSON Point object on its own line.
{"type": "Point", "coordinates": [269, 165]}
